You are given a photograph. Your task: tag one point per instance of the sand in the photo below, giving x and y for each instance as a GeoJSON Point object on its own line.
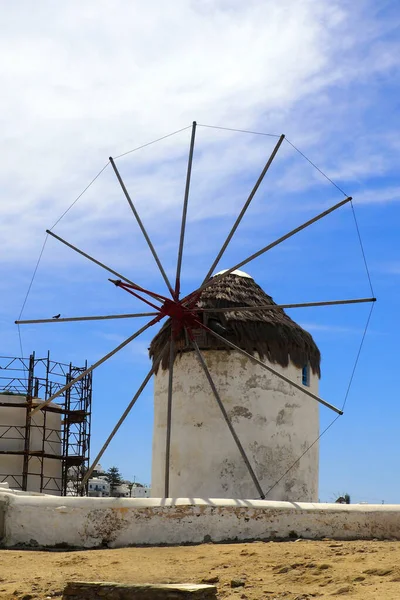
{"type": "Point", "coordinates": [298, 570]}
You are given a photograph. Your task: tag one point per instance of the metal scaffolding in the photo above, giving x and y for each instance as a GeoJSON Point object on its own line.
{"type": "Point", "coordinates": [28, 382]}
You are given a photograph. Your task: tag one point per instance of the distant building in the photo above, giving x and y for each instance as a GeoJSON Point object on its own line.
{"type": "Point", "coordinates": [140, 491]}
{"type": "Point", "coordinates": [98, 471]}
{"type": "Point", "coordinates": [98, 487]}
{"type": "Point", "coordinates": [121, 491]}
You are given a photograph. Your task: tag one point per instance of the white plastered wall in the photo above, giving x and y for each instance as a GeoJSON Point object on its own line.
{"type": "Point", "coordinates": [112, 522]}
{"type": "Point", "coordinates": [12, 433]}
{"type": "Point", "coordinates": [274, 421]}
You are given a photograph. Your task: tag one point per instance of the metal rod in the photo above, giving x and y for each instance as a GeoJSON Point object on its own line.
{"type": "Point", "coordinates": [280, 306]}
{"type": "Point", "coordinates": [169, 414]}
{"type": "Point", "coordinates": [270, 369]}
{"type": "Point", "coordinates": [95, 365]}
{"type": "Point", "coordinates": [184, 213]}
{"type": "Point", "coordinates": [143, 230]}
{"type": "Point", "coordinates": [97, 262]}
{"type": "Point", "coordinates": [227, 420]}
{"type": "Point", "coordinates": [154, 295]}
{"type": "Point", "coordinates": [122, 418]}
{"type": "Point", "coordinates": [28, 423]}
{"type": "Point", "coordinates": [245, 207]}
{"type": "Point", "coordinates": [213, 280]}
{"type": "Point", "coordinates": [127, 289]}
{"type": "Point", "coordinates": [98, 318]}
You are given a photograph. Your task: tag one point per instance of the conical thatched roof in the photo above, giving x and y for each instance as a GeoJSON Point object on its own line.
{"type": "Point", "coordinates": [272, 334]}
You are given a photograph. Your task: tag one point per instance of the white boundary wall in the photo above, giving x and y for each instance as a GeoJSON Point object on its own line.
{"type": "Point", "coordinates": [115, 522]}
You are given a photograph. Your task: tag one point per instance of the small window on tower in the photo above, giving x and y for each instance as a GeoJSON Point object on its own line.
{"type": "Point", "coordinates": [306, 375]}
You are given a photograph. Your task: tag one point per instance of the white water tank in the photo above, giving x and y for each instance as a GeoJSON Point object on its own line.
{"type": "Point", "coordinates": [275, 422]}
{"type": "Point", "coordinates": [44, 472]}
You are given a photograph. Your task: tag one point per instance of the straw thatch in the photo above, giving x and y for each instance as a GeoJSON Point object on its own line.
{"type": "Point", "coordinates": [270, 333]}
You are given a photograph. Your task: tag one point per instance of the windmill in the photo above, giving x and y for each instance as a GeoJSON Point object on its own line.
{"type": "Point", "coordinates": [185, 314]}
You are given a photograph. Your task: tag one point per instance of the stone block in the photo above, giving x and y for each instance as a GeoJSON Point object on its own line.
{"type": "Point", "coordinates": [79, 590]}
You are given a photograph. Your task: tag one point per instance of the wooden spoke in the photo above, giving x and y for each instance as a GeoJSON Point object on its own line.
{"type": "Point", "coordinates": [94, 366]}
{"type": "Point", "coordinates": [244, 209]}
{"type": "Point", "coordinates": [142, 228]}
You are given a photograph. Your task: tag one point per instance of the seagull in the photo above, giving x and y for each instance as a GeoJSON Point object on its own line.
{"type": "Point", "coordinates": [57, 316]}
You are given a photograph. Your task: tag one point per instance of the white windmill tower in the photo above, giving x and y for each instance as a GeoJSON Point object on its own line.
{"type": "Point", "coordinates": [273, 419]}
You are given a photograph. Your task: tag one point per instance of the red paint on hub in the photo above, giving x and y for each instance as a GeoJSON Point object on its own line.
{"type": "Point", "coordinates": [180, 315]}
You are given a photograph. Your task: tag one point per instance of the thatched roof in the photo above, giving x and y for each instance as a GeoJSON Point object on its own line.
{"type": "Point", "coordinates": [270, 333]}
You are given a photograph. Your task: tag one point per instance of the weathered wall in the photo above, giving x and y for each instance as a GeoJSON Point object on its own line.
{"type": "Point", "coordinates": [275, 423]}
{"type": "Point", "coordinates": [114, 522]}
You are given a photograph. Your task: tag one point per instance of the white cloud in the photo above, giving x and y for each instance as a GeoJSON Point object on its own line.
{"type": "Point", "coordinates": [83, 82]}
{"type": "Point", "coordinates": [379, 195]}
{"type": "Point", "coordinates": [330, 329]}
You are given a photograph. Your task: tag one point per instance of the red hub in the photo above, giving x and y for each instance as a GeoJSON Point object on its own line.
{"type": "Point", "coordinates": [181, 316]}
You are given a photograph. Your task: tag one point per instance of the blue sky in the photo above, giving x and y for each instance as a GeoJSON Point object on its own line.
{"type": "Point", "coordinates": [81, 83]}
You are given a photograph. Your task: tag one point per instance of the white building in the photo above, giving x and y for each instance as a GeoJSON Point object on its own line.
{"type": "Point", "coordinates": [140, 491]}
{"type": "Point", "coordinates": [274, 421]}
{"type": "Point", "coordinates": [121, 491]}
{"type": "Point", "coordinates": [98, 471]}
{"type": "Point", "coordinates": [98, 487]}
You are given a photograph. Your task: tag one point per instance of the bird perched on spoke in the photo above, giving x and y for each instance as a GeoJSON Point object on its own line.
{"type": "Point", "coordinates": [216, 326]}
{"type": "Point", "coordinates": [57, 316]}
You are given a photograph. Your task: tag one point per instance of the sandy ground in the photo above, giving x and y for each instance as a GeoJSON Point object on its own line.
{"type": "Point", "coordinates": [298, 570]}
